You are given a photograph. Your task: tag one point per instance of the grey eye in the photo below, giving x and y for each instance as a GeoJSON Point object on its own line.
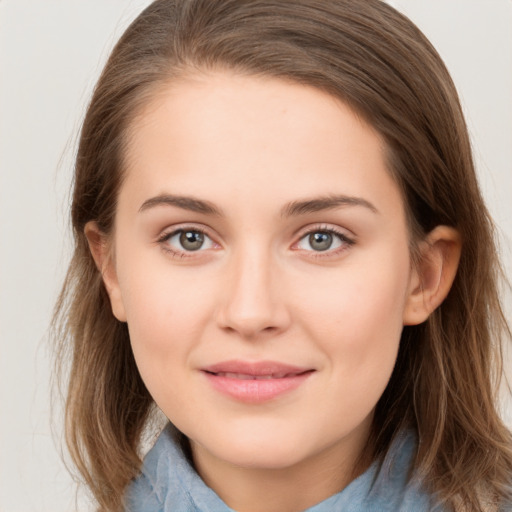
{"type": "Point", "coordinates": [191, 240]}
{"type": "Point", "coordinates": [320, 241]}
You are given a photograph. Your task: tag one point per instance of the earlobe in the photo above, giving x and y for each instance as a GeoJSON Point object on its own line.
{"type": "Point", "coordinates": [433, 275]}
{"type": "Point", "coordinates": [102, 254]}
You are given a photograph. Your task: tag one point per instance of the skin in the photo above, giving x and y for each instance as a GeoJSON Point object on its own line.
{"type": "Point", "coordinates": [258, 289]}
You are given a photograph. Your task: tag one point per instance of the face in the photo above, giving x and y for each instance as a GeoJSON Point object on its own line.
{"type": "Point", "coordinates": [261, 261]}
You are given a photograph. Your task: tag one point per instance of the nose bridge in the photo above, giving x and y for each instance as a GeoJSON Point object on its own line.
{"type": "Point", "coordinates": [253, 304]}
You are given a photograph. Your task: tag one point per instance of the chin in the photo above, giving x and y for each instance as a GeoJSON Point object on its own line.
{"type": "Point", "coordinates": [257, 449]}
{"type": "Point", "coordinates": [262, 457]}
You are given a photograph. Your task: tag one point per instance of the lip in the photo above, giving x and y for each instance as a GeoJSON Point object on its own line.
{"type": "Point", "coordinates": [255, 382]}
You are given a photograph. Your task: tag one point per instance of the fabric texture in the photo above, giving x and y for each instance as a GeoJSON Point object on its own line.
{"type": "Point", "coordinates": [168, 483]}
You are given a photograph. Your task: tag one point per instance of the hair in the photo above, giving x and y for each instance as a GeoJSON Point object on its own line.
{"type": "Point", "coordinates": [445, 382]}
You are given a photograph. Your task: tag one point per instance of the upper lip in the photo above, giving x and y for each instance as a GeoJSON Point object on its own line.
{"type": "Point", "coordinates": [256, 369]}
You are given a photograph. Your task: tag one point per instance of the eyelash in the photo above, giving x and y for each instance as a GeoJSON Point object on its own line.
{"type": "Point", "coordinates": [346, 242]}
{"type": "Point", "coordinates": [342, 237]}
{"type": "Point", "coordinates": [176, 253]}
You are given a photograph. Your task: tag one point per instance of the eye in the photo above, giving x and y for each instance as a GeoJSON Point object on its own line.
{"type": "Point", "coordinates": [323, 240]}
{"type": "Point", "coordinates": [187, 240]}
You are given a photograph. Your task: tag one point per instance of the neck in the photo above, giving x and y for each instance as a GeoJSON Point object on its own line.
{"type": "Point", "coordinates": [288, 489]}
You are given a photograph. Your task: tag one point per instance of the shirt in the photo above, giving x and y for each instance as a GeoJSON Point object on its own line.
{"type": "Point", "coordinates": [168, 483]}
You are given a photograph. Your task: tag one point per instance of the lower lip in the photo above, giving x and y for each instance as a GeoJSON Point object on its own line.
{"type": "Point", "coordinates": [256, 390]}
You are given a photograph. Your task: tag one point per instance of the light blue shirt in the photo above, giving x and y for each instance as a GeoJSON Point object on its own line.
{"type": "Point", "coordinates": [168, 483]}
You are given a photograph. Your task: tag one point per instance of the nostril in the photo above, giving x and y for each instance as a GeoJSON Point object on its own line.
{"type": "Point", "coordinates": [252, 309]}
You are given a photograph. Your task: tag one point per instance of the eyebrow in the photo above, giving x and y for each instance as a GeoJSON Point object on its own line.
{"type": "Point", "coordinates": [186, 203]}
{"type": "Point", "coordinates": [294, 208]}
{"type": "Point", "coordinates": [325, 203]}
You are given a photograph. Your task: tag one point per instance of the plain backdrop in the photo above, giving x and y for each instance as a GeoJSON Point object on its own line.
{"type": "Point", "coordinates": [51, 53]}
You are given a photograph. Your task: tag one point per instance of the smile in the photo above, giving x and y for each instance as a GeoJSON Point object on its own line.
{"type": "Point", "coordinates": [255, 382]}
{"type": "Point", "coordinates": [245, 376]}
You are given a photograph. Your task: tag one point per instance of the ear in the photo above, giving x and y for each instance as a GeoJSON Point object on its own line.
{"type": "Point", "coordinates": [101, 251]}
{"type": "Point", "coordinates": [433, 275]}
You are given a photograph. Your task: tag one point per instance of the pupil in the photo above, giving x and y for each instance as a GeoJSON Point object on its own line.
{"type": "Point", "coordinates": [191, 240]}
{"type": "Point", "coordinates": [320, 241]}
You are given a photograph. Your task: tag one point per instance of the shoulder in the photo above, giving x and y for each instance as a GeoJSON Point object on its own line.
{"type": "Point", "coordinates": [388, 485]}
{"type": "Point", "coordinates": [397, 485]}
{"type": "Point", "coordinates": [158, 480]}
{"type": "Point", "coordinates": [168, 479]}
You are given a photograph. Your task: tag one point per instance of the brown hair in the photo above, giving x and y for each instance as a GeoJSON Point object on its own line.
{"type": "Point", "coordinates": [374, 59]}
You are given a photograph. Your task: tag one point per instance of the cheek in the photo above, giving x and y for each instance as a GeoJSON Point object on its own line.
{"type": "Point", "coordinates": [355, 314]}
{"type": "Point", "coordinates": [165, 311]}
{"type": "Point", "coordinates": [355, 304]}
{"type": "Point", "coordinates": [160, 298]}
{"type": "Point", "coordinates": [163, 320]}
{"type": "Point", "coordinates": [164, 330]}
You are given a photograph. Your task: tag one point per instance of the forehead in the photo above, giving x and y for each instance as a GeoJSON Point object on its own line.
{"type": "Point", "coordinates": [234, 138]}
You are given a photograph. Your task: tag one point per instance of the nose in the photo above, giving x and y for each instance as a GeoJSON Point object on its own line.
{"type": "Point", "coordinates": [254, 303]}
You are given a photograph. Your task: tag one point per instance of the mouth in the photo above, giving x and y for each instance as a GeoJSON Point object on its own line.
{"type": "Point", "coordinates": [245, 376]}
{"type": "Point", "coordinates": [255, 382]}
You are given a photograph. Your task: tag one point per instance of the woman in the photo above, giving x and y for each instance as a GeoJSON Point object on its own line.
{"type": "Point", "coordinates": [281, 242]}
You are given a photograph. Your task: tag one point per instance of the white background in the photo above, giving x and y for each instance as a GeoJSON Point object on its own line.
{"type": "Point", "coordinates": [51, 53]}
